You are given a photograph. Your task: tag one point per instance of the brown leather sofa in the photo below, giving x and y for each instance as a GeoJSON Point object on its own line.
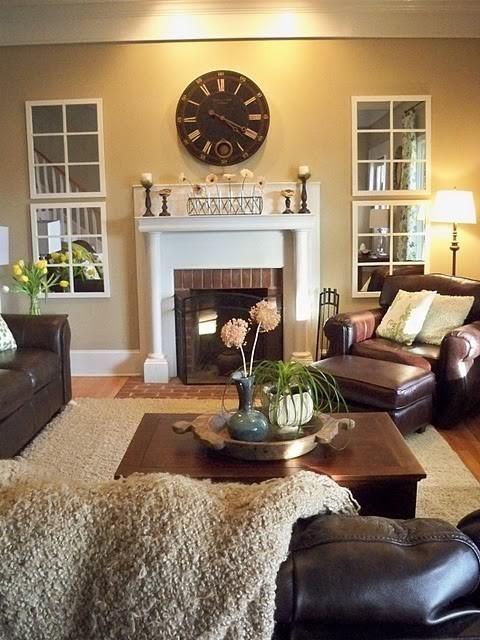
{"type": "Point", "coordinates": [455, 362]}
{"type": "Point", "coordinates": [369, 578]}
{"type": "Point", "coordinates": [35, 380]}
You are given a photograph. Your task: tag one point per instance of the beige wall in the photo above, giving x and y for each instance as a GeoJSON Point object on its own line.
{"type": "Point", "coordinates": [308, 85]}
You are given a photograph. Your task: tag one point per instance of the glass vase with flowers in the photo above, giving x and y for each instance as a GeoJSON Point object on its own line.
{"type": "Point", "coordinates": [247, 423]}
{"type": "Point", "coordinates": [33, 280]}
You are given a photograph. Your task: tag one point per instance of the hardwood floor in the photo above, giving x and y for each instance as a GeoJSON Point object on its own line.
{"type": "Point", "coordinates": [464, 438]}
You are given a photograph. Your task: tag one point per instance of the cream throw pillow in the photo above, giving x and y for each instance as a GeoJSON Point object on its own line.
{"type": "Point", "coordinates": [445, 314]}
{"type": "Point", "coordinates": [7, 341]}
{"type": "Point", "coordinates": [405, 316]}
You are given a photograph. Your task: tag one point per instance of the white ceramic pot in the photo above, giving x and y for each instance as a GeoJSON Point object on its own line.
{"type": "Point", "coordinates": [291, 411]}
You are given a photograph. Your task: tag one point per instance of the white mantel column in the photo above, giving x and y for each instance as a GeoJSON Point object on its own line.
{"type": "Point", "coordinates": [155, 368]}
{"type": "Point", "coordinates": [302, 260]}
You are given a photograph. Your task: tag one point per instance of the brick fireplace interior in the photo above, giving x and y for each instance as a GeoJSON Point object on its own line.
{"type": "Point", "coordinates": [207, 298]}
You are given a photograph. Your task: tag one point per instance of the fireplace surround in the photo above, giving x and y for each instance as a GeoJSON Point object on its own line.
{"type": "Point", "coordinates": [237, 245]}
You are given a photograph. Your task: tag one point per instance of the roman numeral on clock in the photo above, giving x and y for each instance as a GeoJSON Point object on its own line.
{"type": "Point", "coordinates": [190, 119]}
{"type": "Point", "coordinates": [254, 116]}
{"type": "Point", "coordinates": [205, 90]}
{"type": "Point", "coordinates": [221, 84]}
{"type": "Point", "coordinates": [194, 135]}
{"type": "Point", "coordinates": [251, 134]}
{"type": "Point", "coordinates": [207, 147]}
{"type": "Point", "coordinates": [250, 100]}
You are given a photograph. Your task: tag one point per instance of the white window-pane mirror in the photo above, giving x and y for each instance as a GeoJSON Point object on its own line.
{"type": "Point", "coordinates": [373, 115]}
{"type": "Point", "coordinates": [81, 117]}
{"type": "Point", "coordinates": [86, 221]}
{"type": "Point", "coordinates": [409, 115]}
{"type": "Point", "coordinates": [82, 148]}
{"type": "Point", "coordinates": [47, 119]}
{"type": "Point", "coordinates": [72, 239]}
{"type": "Point", "coordinates": [374, 176]}
{"type": "Point", "coordinates": [84, 178]}
{"type": "Point", "coordinates": [396, 131]}
{"type": "Point", "coordinates": [71, 161]}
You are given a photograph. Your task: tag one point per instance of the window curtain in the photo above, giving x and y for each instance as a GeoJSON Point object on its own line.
{"type": "Point", "coordinates": [406, 179]}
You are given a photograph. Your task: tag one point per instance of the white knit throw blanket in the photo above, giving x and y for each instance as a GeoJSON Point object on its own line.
{"type": "Point", "coordinates": [155, 557]}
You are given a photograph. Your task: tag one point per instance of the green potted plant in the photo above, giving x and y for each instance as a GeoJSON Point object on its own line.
{"type": "Point", "coordinates": [292, 392]}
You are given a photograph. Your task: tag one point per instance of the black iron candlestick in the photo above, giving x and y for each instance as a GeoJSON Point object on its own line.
{"type": "Point", "coordinates": [303, 194]}
{"type": "Point", "coordinates": [147, 185]}
{"type": "Point", "coordinates": [288, 195]}
{"type": "Point", "coordinates": [164, 193]}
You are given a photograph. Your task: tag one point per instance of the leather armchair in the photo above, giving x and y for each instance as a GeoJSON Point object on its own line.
{"type": "Point", "coordinates": [455, 362]}
{"type": "Point", "coordinates": [359, 578]}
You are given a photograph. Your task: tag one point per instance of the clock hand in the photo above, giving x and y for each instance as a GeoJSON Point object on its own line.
{"type": "Point", "coordinates": [233, 125]}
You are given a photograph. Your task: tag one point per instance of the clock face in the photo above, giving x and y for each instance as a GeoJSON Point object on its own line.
{"type": "Point", "coordinates": [222, 118]}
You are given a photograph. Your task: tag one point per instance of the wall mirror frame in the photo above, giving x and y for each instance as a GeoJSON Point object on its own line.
{"type": "Point", "coordinates": [391, 145]}
{"type": "Point", "coordinates": [389, 237]}
{"type": "Point", "coordinates": [65, 148]}
{"type": "Point", "coordinates": [72, 238]}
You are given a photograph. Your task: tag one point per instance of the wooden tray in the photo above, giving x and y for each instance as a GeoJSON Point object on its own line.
{"type": "Point", "coordinates": [211, 431]}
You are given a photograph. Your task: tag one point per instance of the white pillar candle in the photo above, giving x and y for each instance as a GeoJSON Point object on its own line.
{"type": "Point", "coordinates": [303, 170]}
{"type": "Point", "coordinates": [147, 177]}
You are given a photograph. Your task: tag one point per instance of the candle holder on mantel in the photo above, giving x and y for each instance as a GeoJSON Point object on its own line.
{"type": "Point", "coordinates": [288, 195]}
{"type": "Point", "coordinates": [164, 193]}
{"type": "Point", "coordinates": [147, 185]}
{"type": "Point", "coordinates": [303, 195]}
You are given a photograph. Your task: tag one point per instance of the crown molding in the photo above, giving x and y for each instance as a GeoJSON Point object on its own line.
{"type": "Point", "coordinates": [77, 21]}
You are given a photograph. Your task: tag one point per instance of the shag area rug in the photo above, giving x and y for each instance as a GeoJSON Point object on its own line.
{"type": "Point", "coordinates": [88, 440]}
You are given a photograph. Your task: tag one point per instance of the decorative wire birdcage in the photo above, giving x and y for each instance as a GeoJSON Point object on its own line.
{"type": "Point", "coordinates": [328, 304]}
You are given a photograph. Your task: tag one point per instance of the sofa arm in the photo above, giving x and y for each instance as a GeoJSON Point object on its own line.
{"type": "Point", "coordinates": [345, 329]}
{"type": "Point", "coordinates": [335, 572]}
{"type": "Point", "coordinates": [458, 350]}
{"type": "Point", "coordinates": [49, 332]}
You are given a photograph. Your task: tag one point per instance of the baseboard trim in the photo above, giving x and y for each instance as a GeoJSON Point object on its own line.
{"type": "Point", "coordinates": [106, 362]}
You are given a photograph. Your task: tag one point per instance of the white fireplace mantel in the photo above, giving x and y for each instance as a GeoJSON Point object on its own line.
{"type": "Point", "coordinates": [288, 241]}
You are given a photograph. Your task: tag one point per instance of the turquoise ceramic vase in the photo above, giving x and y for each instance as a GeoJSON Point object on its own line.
{"type": "Point", "coordinates": [247, 423]}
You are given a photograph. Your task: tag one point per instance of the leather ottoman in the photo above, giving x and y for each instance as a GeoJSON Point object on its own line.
{"type": "Point", "coordinates": [403, 391]}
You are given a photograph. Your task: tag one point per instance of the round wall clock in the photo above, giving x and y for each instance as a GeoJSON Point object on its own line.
{"type": "Point", "coordinates": [222, 118]}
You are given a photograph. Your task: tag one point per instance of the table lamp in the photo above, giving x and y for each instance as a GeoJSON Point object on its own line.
{"type": "Point", "coordinates": [456, 207]}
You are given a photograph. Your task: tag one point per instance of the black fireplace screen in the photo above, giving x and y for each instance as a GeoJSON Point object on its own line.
{"type": "Point", "coordinates": [202, 358]}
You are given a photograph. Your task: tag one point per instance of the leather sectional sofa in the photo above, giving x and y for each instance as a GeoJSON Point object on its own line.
{"type": "Point", "coordinates": [35, 380]}
{"type": "Point", "coordinates": [369, 578]}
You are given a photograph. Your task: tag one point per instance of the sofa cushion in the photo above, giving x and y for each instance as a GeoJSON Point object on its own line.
{"type": "Point", "coordinates": [404, 319]}
{"type": "Point", "coordinates": [7, 341]}
{"type": "Point", "coordinates": [446, 314]}
{"type": "Point", "coordinates": [15, 390]}
{"type": "Point", "coordinates": [40, 366]}
{"type": "Point", "coordinates": [383, 349]}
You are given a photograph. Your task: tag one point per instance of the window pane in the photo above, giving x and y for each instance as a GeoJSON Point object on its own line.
{"type": "Point", "coordinates": [82, 148]}
{"type": "Point", "coordinates": [409, 146]}
{"type": "Point", "coordinates": [50, 179]}
{"type": "Point", "coordinates": [82, 117]}
{"type": "Point", "coordinates": [371, 278]}
{"type": "Point", "coordinates": [373, 115]}
{"type": "Point", "coordinates": [48, 149]}
{"type": "Point", "coordinates": [406, 248]}
{"type": "Point", "coordinates": [47, 119]}
{"type": "Point", "coordinates": [374, 176]}
{"type": "Point", "coordinates": [88, 270]}
{"type": "Point", "coordinates": [409, 218]}
{"type": "Point", "coordinates": [84, 178]}
{"type": "Point", "coordinates": [52, 222]}
{"type": "Point", "coordinates": [373, 146]}
{"type": "Point", "coordinates": [87, 250]}
{"type": "Point", "coordinates": [371, 218]}
{"type": "Point", "coordinates": [409, 176]}
{"type": "Point", "coordinates": [409, 115]}
{"type": "Point", "coordinates": [373, 248]}
{"type": "Point", "coordinates": [86, 221]}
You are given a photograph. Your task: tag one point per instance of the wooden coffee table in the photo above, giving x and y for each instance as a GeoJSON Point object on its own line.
{"type": "Point", "coordinates": [377, 465]}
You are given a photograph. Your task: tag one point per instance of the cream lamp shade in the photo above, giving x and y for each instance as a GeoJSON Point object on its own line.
{"type": "Point", "coordinates": [457, 207]}
{"type": "Point", "coordinates": [378, 219]}
{"type": "Point", "coordinates": [4, 246]}
{"type": "Point", "coordinates": [452, 205]}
